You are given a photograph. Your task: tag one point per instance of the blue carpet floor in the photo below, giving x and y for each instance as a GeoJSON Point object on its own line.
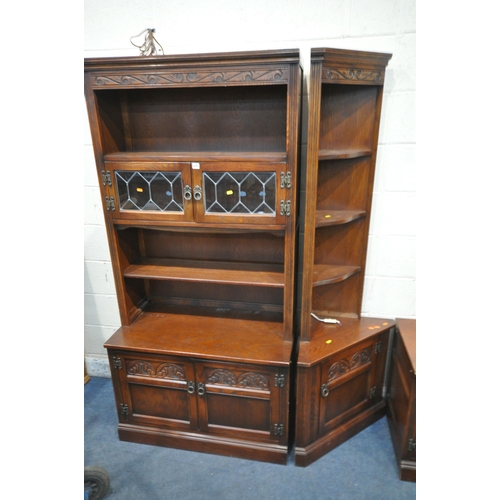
{"type": "Point", "coordinates": [362, 468]}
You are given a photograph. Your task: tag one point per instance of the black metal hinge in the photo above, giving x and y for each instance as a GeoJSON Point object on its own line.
{"type": "Point", "coordinates": [117, 362]}
{"type": "Point", "coordinates": [412, 445]}
{"type": "Point", "coordinates": [110, 203]}
{"type": "Point", "coordinates": [124, 409]}
{"type": "Point", "coordinates": [373, 392]}
{"type": "Point", "coordinates": [278, 429]}
{"type": "Point", "coordinates": [279, 380]}
{"type": "Point", "coordinates": [378, 347]}
{"type": "Point", "coordinates": [106, 177]}
{"type": "Point", "coordinates": [285, 207]}
{"type": "Point", "coordinates": [286, 180]}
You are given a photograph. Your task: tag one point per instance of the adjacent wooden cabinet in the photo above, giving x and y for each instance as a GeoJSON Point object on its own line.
{"type": "Point", "coordinates": [402, 398]}
{"type": "Point", "coordinates": [342, 357]}
{"type": "Point", "coordinates": [197, 158]}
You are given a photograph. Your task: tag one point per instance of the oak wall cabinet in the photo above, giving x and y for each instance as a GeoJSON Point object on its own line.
{"type": "Point", "coordinates": [341, 357]}
{"type": "Point", "coordinates": [402, 398]}
{"type": "Point", "coordinates": [197, 158]}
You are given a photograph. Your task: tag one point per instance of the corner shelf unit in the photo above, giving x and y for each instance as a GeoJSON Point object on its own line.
{"type": "Point", "coordinates": [340, 365]}
{"type": "Point", "coordinates": [197, 155]}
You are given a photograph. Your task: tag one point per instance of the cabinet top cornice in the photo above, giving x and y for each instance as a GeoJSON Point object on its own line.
{"type": "Point", "coordinates": [350, 57]}
{"type": "Point", "coordinates": [184, 60]}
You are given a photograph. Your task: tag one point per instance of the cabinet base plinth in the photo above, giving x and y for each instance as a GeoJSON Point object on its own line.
{"type": "Point", "coordinates": [309, 454]}
{"type": "Point", "coordinates": [408, 471]}
{"type": "Point", "coordinates": [250, 450]}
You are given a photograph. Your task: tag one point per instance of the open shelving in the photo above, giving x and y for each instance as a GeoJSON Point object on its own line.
{"type": "Point", "coordinates": [198, 160]}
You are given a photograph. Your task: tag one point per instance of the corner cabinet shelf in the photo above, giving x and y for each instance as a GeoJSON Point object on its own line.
{"type": "Point", "coordinates": [197, 158]}
{"type": "Point", "coordinates": [341, 364]}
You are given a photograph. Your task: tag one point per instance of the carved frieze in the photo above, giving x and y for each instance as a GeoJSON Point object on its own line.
{"type": "Point", "coordinates": [358, 359]}
{"type": "Point", "coordinates": [248, 380]}
{"type": "Point", "coordinates": [164, 370]}
{"type": "Point", "coordinates": [353, 74]}
{"type": "Point", "coordinates": [171, 78]}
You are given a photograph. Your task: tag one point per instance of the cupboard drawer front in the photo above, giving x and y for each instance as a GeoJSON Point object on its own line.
{"type": "Point", "coordinates": [347, 385]}
{"type": "Point", "coordinates": [242, 401]}
{"type": "Point", "coordinates": [157, 391]}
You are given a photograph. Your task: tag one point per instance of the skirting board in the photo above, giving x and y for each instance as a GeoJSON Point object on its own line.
{"type": "Point", "coordinates": [97, 366]}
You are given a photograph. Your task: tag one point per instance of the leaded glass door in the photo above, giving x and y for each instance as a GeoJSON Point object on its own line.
{"type": "Point", "coordinates": [240, 192]}
{"type": "Point", "coordinates": [149, 190]}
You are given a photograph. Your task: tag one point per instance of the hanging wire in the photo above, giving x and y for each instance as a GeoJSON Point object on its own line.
{"type": "Point", "coordinates": [148, 48]}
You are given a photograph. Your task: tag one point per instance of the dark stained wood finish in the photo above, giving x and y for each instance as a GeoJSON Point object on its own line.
{"type": "Point", "coordinates": [349, 361]}
{"type": "Point", "coordinates": [200, 293]}
{"type": "Point", "coordinates": [343, 123]}
{"type": "Point", "coordinates": [340, 369]}
{"type": "Point", "coordinates": [402, 398]}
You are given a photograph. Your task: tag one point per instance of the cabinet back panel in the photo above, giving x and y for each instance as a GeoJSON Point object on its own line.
{"type": "Point", "coordinates": [347, 116]}
{"type": "Point", "coordinates": [238, 247]}
{"type": "Point", "coordinates": [342, 297]}
{"type": "Point", "coordinates": [340, 245]}
{"type": "Point", "coordinates": [216, 295]}
{"type": "Point", "coordinates": [343, 184]}
{"type": "Point", "coordinates": [199, 119]}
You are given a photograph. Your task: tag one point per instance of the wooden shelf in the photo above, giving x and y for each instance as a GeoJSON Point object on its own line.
{"type": "Point", "coordinates": [326, 274]}
{"type": "Point", "coordinates": [197, 156]}
{"type": "Point", "coordinates": [342, 154]}
{"type": "Point", "coordinates": [250, 274]}
{"type": "Point", "coordinates": [337, 217]}
{"type": "Point", "coordinates": [208, 337]}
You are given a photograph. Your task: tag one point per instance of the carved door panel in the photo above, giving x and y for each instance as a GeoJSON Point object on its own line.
{"type": "Point", "coordinates": [348, 385]}
{"type": "Point", "coordinates": [156, 391]}
{"type": "Point", "coordinates": [242, 401]}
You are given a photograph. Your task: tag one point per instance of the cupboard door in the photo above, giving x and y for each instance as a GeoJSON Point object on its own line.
{"type": "Point", "coordinates": [240, 192]}
{"type": "Point", "coordinates": [156, 391]}
{"type": "Point", "coordinates": [348, 386]}
{"type": "Point", "coordinates": [241, 401]}
{"type": "Point", "coordinates": [149, 191]}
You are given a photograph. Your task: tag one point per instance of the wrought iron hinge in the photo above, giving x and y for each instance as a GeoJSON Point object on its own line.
{"type": "Point", "coordinates": [279, 380]}
{"type": "Point", "coordinates": [378, 347]}
{"type": "Point", "coordinates": [412, 445]}
{"type": "Point", "coordinates": [373, 392]}
{"type": "Point", "coordinates": [124, 409]}
{"type": "Point", "coordinates": [110, 203]}
{"type": "Point", "coordinates": [285, 207]}
{"type": "Point", "coordinates": [106, 177]}
{"type": "Point", "coordinates": [278, 429]}
{"type": "Point", "coordinates": [117, 363]}
{"type": "Point", "coordinates": [286, 180]}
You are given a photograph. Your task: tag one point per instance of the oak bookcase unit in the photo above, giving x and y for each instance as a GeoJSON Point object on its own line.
{"type": "Point", "coordinates": [340, 366]}
{"type": "Point", "coordinates": [197, 155]}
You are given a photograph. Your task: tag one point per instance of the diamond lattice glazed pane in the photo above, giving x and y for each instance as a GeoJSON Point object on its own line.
{"type": "Point", "coordinates": [150, 191]}
{"type": "Point", "coordinates": [240, 192]}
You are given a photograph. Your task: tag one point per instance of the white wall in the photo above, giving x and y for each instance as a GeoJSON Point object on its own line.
{"type": "Point", "coordinates": [229, 25]}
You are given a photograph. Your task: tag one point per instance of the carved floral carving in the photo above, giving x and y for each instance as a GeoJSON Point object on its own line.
{"type": "Point", "coordinates": [199, 77]}
{"type": "Point", "coordinates": [360, 358]}
{"type": "Point", "coordinates": [354, 74]}
{"type": "Point", "coordinates": [249, 380]}
{"type": "Point", "coordinates": [164, 370]}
